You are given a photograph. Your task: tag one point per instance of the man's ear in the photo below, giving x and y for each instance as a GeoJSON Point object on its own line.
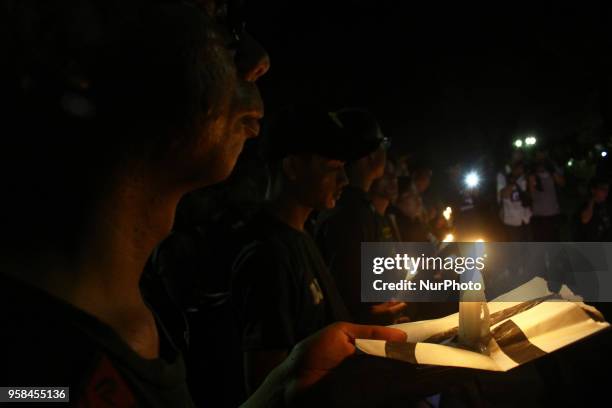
{"type": "Point", "coordinates": [290, 168]}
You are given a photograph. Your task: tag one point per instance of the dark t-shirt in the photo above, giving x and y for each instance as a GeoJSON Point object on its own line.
{"type": "Point", "coordinates": [387, 232]}
{"type": "Point", "coordinates": [598, 228]}
{"type": "Point", "coordinates": [48, 342]}
{"type": "Point", "coordinates": [411, 230]}
{"type": "Point", "coordinates": [281, 289]}
{"type": "Point", "coordinates": [340, 235]}
{"type": "Point", "coordinates": [194, 266]}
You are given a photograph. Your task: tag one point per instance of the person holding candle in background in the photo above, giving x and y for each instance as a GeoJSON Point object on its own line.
{"type": "Point", "coordinates": [281, 289]}
{"type": "Point", "coordinates": [340, 232]}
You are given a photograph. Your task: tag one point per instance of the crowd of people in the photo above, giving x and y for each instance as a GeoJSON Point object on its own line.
{"type": "Point", "coordinates": [147, 265]}
{"type": "Point", "coordinates": [529, 196]}
{"type": "Point", "coordinates": [288, 257]}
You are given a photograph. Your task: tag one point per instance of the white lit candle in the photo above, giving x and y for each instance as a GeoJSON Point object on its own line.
{"type": "Point", "coordinates": [474, 324]}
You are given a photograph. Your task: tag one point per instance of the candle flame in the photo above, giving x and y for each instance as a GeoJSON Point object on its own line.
{"type": "Point", "coordinates": [447, 213]}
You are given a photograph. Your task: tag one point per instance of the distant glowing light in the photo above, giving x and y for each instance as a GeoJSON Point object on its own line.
{"type": "Point", "coordinates": [479, 240]}
{"type": "Point", "coordinates": [449, 238]}
{"type": "Point", "coordinates": [447, 213]}
{"type": "Point", "coordinates": [530, 141]}
{"type": "Point", "coordinates": [472, 179]}
{"type": "Point", "coordinates": [570, 162]}
{"type": "Point", "coordinates": [518, 143]}
{"type": "Point", "coordinates": [604, 153]}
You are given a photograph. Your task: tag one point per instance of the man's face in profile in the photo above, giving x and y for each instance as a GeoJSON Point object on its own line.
{"type": "Point", "coordinates": [600, 193]}
{"type": "Point", "coordinates": [422, 180]}
{"type": "Point", "coordinates": [386, 186]}
{"type": "Point", "coordinates": [231, 64]}
{"type": "Point", "coordinates": [408, 204]}
{"type": "Point", "coordinates": [318, 181]}
{"type": "Point", "coordinates": [377, 161]}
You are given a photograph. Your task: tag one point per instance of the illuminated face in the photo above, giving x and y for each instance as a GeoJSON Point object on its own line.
{"type": "Point", "coordinates": [422, 180]}
{"type": "Point", "coordinates": [518, 170]}
{"type": "Point", "coordinates": [386, 186]}
{"type": "Point", "coordinates": [318, 181]}
{"type": "Point", "coordinates": [600, 193]}
{"type": "Point", "coordinates": [378, 160]}
{"type": "Point", "coordinates": [409, 204]}
{"type": "Point", "coordinates": [229, 68]}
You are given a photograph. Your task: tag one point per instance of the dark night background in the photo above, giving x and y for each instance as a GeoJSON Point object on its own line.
{"type": "Point", "coordinates": [448, 81]}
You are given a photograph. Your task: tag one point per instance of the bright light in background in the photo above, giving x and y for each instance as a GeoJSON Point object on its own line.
{"type": "Point", "coordinates": [604, 153]}
{"type": "Point", "coordinates": [472, 179]}
{"type": "Point", "coordinates": [518, 143]}
{"type": "Point", "coordinates": [530, 141]}
{"type": "Point", "coordinates": [447, 213]}
{"type": "Point", "coordinates": [449, 238]}
{"type": "Point", "coordinates": [570, 162]}
{"type": "Point", "coordinates": [479, 240]}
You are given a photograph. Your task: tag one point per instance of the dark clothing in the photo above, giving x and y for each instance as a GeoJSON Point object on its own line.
{"type": "Point", "coordinates": [598, 228]}
{"type": "Point", "coordinates": [388, 231]}
{"type": "Point", "coordinates": [411, 230]}
{"type": "Point", "coordinates": [340, 235]}
{"type": "Point", "coordinates": [281, 289]}
{"type": "Point", "coordinates": [516, 233]}
{"type": "Point", "coordinates": [545, 228]}
{"type": "Point", "coordinates": [193, 266]}
{"type": "Point", "coordinates": [47, 342]}
{"type": "Point", "coordinates": [195, 262]}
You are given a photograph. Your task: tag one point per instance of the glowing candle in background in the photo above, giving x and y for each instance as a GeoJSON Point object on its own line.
{"type": "Point", "coordinates": [447, 213]}
{"type": "Point", "coordinates": [474, 323]}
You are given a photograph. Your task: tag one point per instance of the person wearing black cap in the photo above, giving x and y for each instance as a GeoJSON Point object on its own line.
{"type": "Point", "coordinates": [382, 194]}
{"type": "Point", "coordinates": [281, 289]}
{"type": "Point", "coordinates": [354, 220]}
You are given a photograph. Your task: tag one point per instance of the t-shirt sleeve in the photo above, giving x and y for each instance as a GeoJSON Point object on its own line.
{"type": "Point", "coordinates": [262, 289]}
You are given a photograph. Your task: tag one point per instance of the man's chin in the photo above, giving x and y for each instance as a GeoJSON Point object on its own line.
{"type": "Point", "coordinates": [331, 203]}
{"type": "Point", "coordinates": [211, 174]}
{"type": "Point", "coordinates": [224, 170]}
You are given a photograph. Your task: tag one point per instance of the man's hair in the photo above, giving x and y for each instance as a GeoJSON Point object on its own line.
{"type": "Point", "coordinates": [87, 85]}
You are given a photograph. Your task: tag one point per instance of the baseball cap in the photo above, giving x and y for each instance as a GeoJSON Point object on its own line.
{"type": "Point", "coordinates": [347, 134]}
{"type": "Point", "coordinates": [362, 131]}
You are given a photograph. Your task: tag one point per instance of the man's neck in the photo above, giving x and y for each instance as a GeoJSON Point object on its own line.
{"type": "Point", "coordinates": [361, 182]}
{"type": "Point", "coordinates": [126, 229]}
{"type": "Point", "coordinates": [103, 278]}
{"type": "Point", "coordinates": [287, 209]}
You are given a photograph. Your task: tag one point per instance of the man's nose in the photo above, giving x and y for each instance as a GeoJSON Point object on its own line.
{"type": "Point", "coordinates": [252, 59]}
{"type": "Point", "coordinates": [342, 178]}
